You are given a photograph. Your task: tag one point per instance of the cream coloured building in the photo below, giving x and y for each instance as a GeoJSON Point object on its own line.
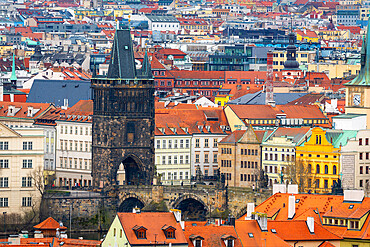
{"type": "Point", "coordinates": [21, 164]}
{"type": "Point", "coordinates": [303, 57]}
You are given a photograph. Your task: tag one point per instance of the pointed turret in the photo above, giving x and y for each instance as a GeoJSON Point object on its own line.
{"type": "Point", "coordinates": [122, 62]}
{"type": "Point", "coordinates": [146, 70]}
{"type": "Point", "coordinates": [363, 78]}
{"type": "Point", "coordinates": [13, 77]}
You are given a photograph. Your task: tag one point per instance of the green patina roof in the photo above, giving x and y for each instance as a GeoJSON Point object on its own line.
{"type": "Point", "coordinates": [349, 115]}
{"type": "Point", "coordinates": [340, 138]}
{"type": "Point", "coordinates": [363, 78]}
{"type": "Point", "coordinates": [13, 77]}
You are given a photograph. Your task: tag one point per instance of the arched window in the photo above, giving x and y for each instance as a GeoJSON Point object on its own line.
{"type": "Point", "coordinates": [317, 169]}
{"type": "Point", "coordinates": [334, 169]}
{"type": "Point", "coordinates": [309, 168]}
{"type": "Point", "coordinates": [326, 169]}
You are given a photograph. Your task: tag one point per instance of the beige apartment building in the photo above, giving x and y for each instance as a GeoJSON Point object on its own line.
{"type": "Point", "coordinates": [21, 164]}
{"type": "Point", "coordinates": [239, 157]}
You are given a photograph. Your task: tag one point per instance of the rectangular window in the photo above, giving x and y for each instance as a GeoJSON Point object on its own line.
{"type": "Point", "coordinates": [181, 159]}
{"type": "Point", "coordinates": [187, 143]}
{"type": "Point", "coordinates": [27, 145]}
{"type": "Point", "coordinates": [4, 163]}
{"type": "Point", "coordinates": [26, 181]}
{"type": "Point", "coordinates": [169, 143]}
{"type": "Point", "coordinates": [4, 145]}
{"type": "Point", "coordinates": [175, 144]}
{"type": "Point", "coordinates": [175, 159]}
{"type": "Point", "coordinates": [214, 158]}
{"type": "Point", "coordinates": [181, 143]}
{"type": "Point", "coordinates": [205, 158]}
{"type": "Point", "coordinates": [206, 143]}
{"type": "Point", "coordinates": [4, 202]}
{"type": "Point", "coordinates": [360, 141]}
{"type": "Point", "coordinates": [214, 143]}
{"type": "Point", "coordinates": [197, 158]}
{"type": "Point", "coordinates": [158, 144]}
{"type": "Point", "coordinates": [4, 182]}
{"type": "Point", "coordinates": [26, 201]}
{"type": "Point", "coordinates": [170, 160]}
{"type": "Point", "coordinates": [27, 164]}
{"type": "Point", "coordinates": [186, 159]}
{"type": "Point", "coordinates": [197, 143]}
{"type": "Point", "coordinates": [164, 144]}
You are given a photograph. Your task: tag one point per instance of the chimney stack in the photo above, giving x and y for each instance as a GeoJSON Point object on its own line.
{"type": "Point", "coordinates": [311, 224]}
{"type": "Point", "coordinates": [262, 221]}
{"type": "Point", "coordinates": [291, 207]}
{"type": "Point", "coordinates": [250, 210]}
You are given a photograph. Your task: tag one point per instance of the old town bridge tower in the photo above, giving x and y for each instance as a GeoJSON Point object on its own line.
{"type": "Point", "coordinates": [123, 120]}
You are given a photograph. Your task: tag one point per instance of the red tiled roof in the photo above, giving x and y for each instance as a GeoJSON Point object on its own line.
{"type": "Point", "coordinates": [49, 224]}
{"type": "Point", "coordinates": [246, 227]}
{"type": "Point", "coordinates": [212, 235]}
{"type": "Point", "coordinates": [153, 222]}
{"type": "Point", "coordinates": [298, 230]}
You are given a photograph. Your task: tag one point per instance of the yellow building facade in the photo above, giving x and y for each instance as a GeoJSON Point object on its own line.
{"type": "Point", "coordinates": [335, 70]}
{"type": "Point", "coordinates": [303, 57]}
{"type": "Point", "coordinates": [321, 159]}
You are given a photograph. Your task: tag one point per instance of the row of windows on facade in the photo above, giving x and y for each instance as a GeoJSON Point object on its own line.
{"type": "Point", "coordinates": [26, 145]}
{"type": "Point", "coordinates": [362, 170]}
{"type": "Point", "coordinates": [317, 183]}
{"type": "Point", "coordinates": [248, 177]}
{"type": "Point", "coordinates": [26, 163]}
{"type": "Point", "coordinates": [280, 150]}
{"type": "Point", "coordinates": [248, 164]}
{"type": "Point", "coordinates": [319, 156]}
{"type": "Point", "coordinates": [363, 156]}
{"type": "Point", "coordinates": [166, 25]}
{"type": "Point", "coordinates": [78, 130]}
{"type": "Point", "coordinates": [175, 160]}
{"type": "Point", "coordinates": [226, 151]}
{"type": "Point", "coordinates": [26, 182]}
{"type": "Point", "coordinates": [206, 158]}
{"type": "Point", "coordinates": [75, 163]}
{"type": "Point", "coordinates": [353, 224]}
{"type": "Point", "coordinates": [174, 144]}
{"type": "Point", "coordinates": [26, 202]}
{"type": "Point", "coordinates": [74, 182]}
{"type": "Point", "coordinates": [283, 55]}
{"type": "Point", "coordinates": [173, 175]}
{"type": "Point", "coordinates": [82, 146]}
{"type": "Point", "coordinates": [276, 157]}
{"type": "Point", "coordinates": [326, 169]}
{"type": "Point", "coordinates": [249, 151]}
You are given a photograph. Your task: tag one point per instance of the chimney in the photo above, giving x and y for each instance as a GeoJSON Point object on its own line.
{"type": "Point", "coordinates": [278, 188]}
{"type": "Point", "coordinates": [250, 210]}
{"type": "Point", "coordinates": [65, 104]}
{"type": "Point", "coordinates": [262, 221]}
{"type": "Point", "coordinates": [311, 224]}
{"type": "Point", "coordinates": [271, 103]}
{"type": "Point", "coordinates": [292, 188]}
{"type": "Point", "coordinates": [353, 195]}
{"type": "Point", "coordinates": [177, 214]}
{"type": "Point", "coordinates": [291, 207]}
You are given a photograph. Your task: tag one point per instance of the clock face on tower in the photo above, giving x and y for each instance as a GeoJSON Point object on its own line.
{"type": "Point", "coordinates": [356, 99]}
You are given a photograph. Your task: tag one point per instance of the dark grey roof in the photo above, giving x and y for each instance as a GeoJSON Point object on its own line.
{"type": "Point", "coordinates": [122, 63]}
{"type": "Point", "coordinates": [162, 18]}
{"type": "Point", "coordinates": [55, 91]}
{"type": "Point", "coordinates": [259, 98]}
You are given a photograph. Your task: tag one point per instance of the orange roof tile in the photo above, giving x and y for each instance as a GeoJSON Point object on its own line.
{"type": "Point", "coordinates": [49, 224]}
{"type": "Point", "coordinates": [212, 235]}
{"type": "Point", "coordinates": [153, 222]}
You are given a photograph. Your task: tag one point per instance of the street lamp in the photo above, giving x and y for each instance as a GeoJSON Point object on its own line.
{"type": "Point", "coordinates": [81, 181]}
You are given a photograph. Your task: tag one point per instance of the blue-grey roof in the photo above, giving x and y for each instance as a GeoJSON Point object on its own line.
{"type": "Point", "coordinates": [55, 91]}
{"type": "Point", "coordinates": [259, 98]}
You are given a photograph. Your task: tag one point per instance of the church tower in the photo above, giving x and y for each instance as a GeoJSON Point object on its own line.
{"type": "Point", "coordinates": [291, 66]}
{"type": "Point", "coordinates": [358, 90]}
{"type": "Point", "coordinates": [123, 119]}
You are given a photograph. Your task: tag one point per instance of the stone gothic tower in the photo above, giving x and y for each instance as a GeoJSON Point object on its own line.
{"type": "Point", "coordinates": [123, 120]}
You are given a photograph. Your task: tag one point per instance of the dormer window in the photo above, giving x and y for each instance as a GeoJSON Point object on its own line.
{"type": "Point", "coordinates": [169, 231]}
{"type": "Point", "coordinates": [197, 240]}
{"type": "Point", "coordinates": [140, 232]}
{"type": "Point", "coordinates": [228, 240]}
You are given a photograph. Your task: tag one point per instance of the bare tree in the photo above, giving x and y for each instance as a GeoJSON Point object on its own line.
{"type": "Point", "coordinates": [299, 171]}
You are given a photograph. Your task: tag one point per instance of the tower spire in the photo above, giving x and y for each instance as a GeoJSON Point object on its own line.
{"type": "Point", "coordinates": [146, 70]}
{"type": "Point", "coordinates": [13, 77]}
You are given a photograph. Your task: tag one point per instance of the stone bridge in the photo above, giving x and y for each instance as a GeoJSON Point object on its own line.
{"type": "Point", "coordinates": [195, 202]}
{"type": "Point", "coordinates": [89, 209]}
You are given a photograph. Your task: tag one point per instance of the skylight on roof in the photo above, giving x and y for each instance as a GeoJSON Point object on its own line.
{"type": "Point", "coordinates": [297, 200]}
{"type": "Point", "coordinates": [273, 230]}
{"type": "Point", "coordinates": [250, 235]}
{"type": "Point", "coordinates": [351, 206]}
